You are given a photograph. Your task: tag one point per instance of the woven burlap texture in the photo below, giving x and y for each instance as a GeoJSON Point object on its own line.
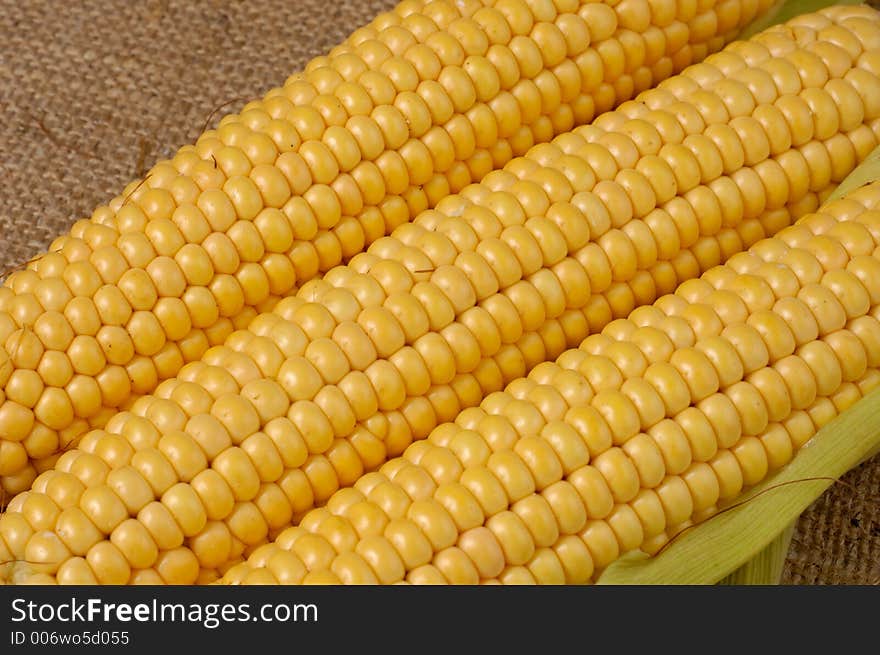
{"type": "Point", "coordinates": [93, 93]}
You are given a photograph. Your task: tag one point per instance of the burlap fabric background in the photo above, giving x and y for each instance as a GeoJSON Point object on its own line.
{"type": "Point", "coordinates": [93, 93]}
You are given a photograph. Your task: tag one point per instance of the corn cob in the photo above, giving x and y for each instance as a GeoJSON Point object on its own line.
{"type": "Point", "coordinates": [750, 541]}
{"type": "Point", "coordinates": [705, 393]}
{"type": "Point", "coordinates": [275, 421]}
{"type": "Point", "coordinates": [419, 103]}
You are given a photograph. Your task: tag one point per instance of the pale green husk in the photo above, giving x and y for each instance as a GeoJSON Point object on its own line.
{"type": "Point", "coordinates": [766, 567]}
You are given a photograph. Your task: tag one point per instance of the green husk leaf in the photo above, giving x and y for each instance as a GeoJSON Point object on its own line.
{"type": "Point", "coordinates": [720, 545]}
{"type": "Point", "coordinates": [785, 10]}
{"type": "Point", "coordinates": [766, 567]}
{"type": "Point", "coordinates": [865, 173]}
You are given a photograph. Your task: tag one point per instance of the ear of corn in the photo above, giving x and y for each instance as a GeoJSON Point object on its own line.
{"type": "Point", "coordinates": [837, 447]}
{"type": "Point", "coordinates": [419, 103]}
{"type": "Point", "coordinates": [544, 492]}
{"type": "Point", "coordinates": [359, 364]}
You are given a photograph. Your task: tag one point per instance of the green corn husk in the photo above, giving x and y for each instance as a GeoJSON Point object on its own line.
{"type": "Point", "coordinates": [747, 542]}
{"type": "Point", "coordinates": [766, 567]}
